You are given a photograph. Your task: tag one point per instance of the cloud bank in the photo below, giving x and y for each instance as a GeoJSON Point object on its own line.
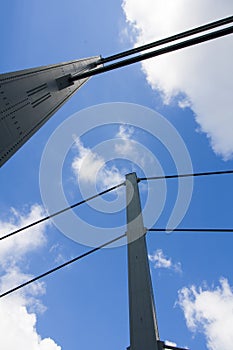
{"type": "Point", "coordinates": [198, 77]}
{"type": "Point", "coordinates": [210, 311]}
{"type": "Point", "coordinates": [19, 310]}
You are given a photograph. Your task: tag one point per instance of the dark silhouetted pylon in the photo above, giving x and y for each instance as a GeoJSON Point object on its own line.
{"type": "Point", "coordinates": [28, 98]}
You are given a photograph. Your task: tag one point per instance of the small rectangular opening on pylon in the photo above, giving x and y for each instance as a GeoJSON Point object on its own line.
{"type": "Point", "coordinates": [64, 81]}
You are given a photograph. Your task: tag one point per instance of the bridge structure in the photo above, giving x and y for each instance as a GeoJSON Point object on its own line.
{"type": "Point", "coordinates": [29, 98]}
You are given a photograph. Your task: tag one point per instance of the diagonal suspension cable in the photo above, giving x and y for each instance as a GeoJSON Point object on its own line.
{"type": "Point", "coordinates": [108, 190]}
{"type": "Point", "coordinates": [155, 53]}
{"type": "Point", "coordinates": [60, 212]}
{"type": "Point", "coordinates": [102, 246]}
{"type": "Point", "coordinates": [207, 173]}
{"type": "Point", "coordinates": [60, 266]}
{"type": "Point", "coordinates": [185, 34]}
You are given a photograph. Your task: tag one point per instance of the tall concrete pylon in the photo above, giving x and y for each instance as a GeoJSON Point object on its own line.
{"type": "Point", "coordinates": [28, 98]}
{"type": "Point", "coordinates": [143, 324]}
{"type": "Point", "coordinates": [144, 334]}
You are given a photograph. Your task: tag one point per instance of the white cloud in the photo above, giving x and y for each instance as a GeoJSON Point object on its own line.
{"type": "Point", "coordinates": [15, 247]}
{"type": "Point", "coordinates": [202, 73]}
{"type": "Point", "coordinates": [19, 310]}
{"type": "Point", "coordinates": [127, 145]}
{"type": "Point", "coordinates": [18, 327]}
{"type": "Point", "coordinates": [56, 249]}
{"type": "Point", "coordinates": [111, 176]}
{"type": "Point", "coordinates": [210, 312]}
{"type": "Point", "coordinates": [90, 168]}
{"type": "Point", "coordinates": [125, 132]}
{"type": "Point", "coordinates": [87, 164]}
{"type": "Point", "coordinates": [162, 262]}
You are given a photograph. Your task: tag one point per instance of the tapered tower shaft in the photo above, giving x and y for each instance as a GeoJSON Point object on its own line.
{"type": "Point", "coordinates": [28, 98]}
{"type": "Point", "coordinates": [143, 324]}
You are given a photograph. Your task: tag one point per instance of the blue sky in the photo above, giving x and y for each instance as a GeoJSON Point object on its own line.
{"type": "Point", "coordinates": [86, 305]}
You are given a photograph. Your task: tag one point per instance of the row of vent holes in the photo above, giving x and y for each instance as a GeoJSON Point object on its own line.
{"type": "Point", "coordinates": [12, 148]}
{"type": "Point", "coordinates": [16, 110]}
{"type": "Point", "coordinates": [7, 109]}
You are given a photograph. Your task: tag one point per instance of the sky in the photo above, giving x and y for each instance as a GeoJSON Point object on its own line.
{"type": "Point", "coordinates": [167, 115]}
